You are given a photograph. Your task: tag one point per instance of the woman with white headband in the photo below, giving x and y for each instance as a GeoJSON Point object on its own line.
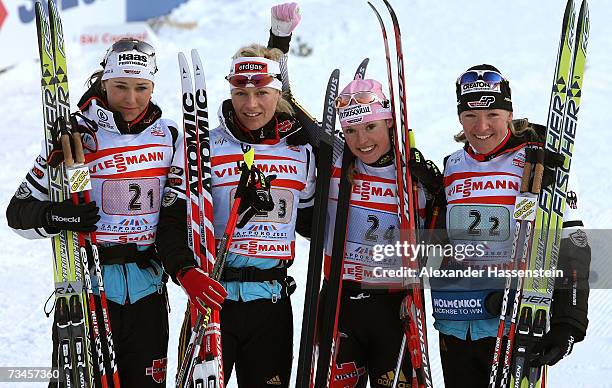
{"type": "Point", "coordinates": [256, 319]}
{"type": "Point", "coordinates": [134, 157]}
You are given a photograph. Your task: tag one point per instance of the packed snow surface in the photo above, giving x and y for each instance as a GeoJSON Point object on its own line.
{"type": "Point", "coordinates": [440, 40]}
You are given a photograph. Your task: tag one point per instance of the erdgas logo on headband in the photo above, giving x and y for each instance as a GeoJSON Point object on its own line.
{"type": "Point", "coordinates": [254, 72]}
{"type": "Point", "coordinates": [250, 67]}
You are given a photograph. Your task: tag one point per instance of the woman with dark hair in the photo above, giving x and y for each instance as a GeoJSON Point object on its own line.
{"type": "Point", "coordinates": [134, 156]}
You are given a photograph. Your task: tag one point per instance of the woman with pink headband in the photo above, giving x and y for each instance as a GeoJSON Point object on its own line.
{"type": "Point", "coordinates": [369, 326]}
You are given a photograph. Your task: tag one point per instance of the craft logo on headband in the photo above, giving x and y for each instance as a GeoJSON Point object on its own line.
{"type": "Point", "coordinates": [484, 102]}
{"type": "Point", "coordinates": [250, 67]}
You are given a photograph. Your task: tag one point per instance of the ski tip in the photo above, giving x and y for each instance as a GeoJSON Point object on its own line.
{"type": "Point", "coordinates": [182, 59]}
{"type": "Point", "coordinates": [583, 17]}
{"type": "Point", "coordinates": [195, 55]}
{"type": "Point", "coordinates": [334, 79]}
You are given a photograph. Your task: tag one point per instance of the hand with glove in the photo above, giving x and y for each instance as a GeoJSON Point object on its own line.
{"type": "Point", "coordinates": [202, 290]}
{"type": "Point", "coordinates": [285, 17]}
{"type": "Point", "coordinates": [254, 194]}
{"type": "Point", "coordinates": [68, 216]}
{"type": "Point", "coordinates": [425, 171]}
{"type": "Point", "coordinates": [554, 345]}
{"type": "Point", "coordinates": [552, 160]}
{"type": "Point", "coordinates": [90, 127]}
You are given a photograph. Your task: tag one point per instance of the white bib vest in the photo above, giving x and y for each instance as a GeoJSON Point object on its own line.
{"type": "Point", "coordinates": [372, 221]}
{"type": "Point", "coordinates": [271, 234]}
{"type": "Point", "coordinates": [128, 175]}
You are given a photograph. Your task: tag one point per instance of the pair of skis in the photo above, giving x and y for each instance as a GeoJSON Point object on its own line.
{"type": "Point", "coordinates": [71, 271]}
{"type": "Point", "coordinates": [330, 145]}
{"type": "Point", "coordinates": [530, 317]}
{"type": "Point", "coordinates": [415, 335]}
{"type": "Point", "coordinates": [327, 141]}
{"type": "Point", "coordinates": [194, 368]}
{"type": "Point", "coordinates": [202, 364]}
{"type": "Point", "coordinates": [329, 338]}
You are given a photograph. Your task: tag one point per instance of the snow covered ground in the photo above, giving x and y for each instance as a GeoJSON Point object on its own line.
{"type": "Point", "coordinates": [441, 39]}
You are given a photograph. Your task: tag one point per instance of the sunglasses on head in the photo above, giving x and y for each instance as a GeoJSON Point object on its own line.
{"type": "Point", "coordinates": [489, 76]}
{"type": "Point", "coordinates": [258, 80]}
{"type": "Point", "coordinates": [363, 98]}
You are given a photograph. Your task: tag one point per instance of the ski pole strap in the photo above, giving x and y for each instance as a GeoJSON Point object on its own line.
{"type": "Point", "coordinates": [253, 274]}
{"type": "Point", "coordinates": [127, 253]}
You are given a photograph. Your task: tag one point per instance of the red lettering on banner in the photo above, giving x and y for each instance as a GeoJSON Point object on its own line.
{"type": "Point", "coordinates": [88, 39]}
{"type": "Point", "coordinates": [3, 14]}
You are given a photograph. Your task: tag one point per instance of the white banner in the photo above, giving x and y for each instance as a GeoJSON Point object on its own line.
{"type": "Point", "coordinates": [99, 38]}
{"type": "Point", "coordinates": [18, 38]}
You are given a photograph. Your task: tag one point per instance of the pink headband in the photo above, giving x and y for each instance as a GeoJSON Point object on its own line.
{"type": "Point", "coordinates": [364, 113]}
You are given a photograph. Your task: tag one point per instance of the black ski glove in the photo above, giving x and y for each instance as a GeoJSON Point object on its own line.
{"type": "Point", "coordinates": [255, 195]}
{"type": "Point", "coordinates": [552, 160]}
{"type": "Point", "coordinates": [555, 345]}
{"type": "Point", "coordinates": [56, 156]}
{"type": "Point", "coordinates": [425, 171]}
{"type": "Point", "coordinates": [68, 216]}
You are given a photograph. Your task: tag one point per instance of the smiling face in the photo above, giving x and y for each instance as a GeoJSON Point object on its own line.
{"type": "Point", "coordinates": [128, 96]}
{"type": "Point", "coordinates": [485, 129]}
{"type": "Point", "coordinates": [254, 107]}
{"type": "Point", "coordinates": [369, 141]}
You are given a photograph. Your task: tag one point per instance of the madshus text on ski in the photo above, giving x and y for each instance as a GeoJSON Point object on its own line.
{"type": "Point", "coordinates": [131, 200]}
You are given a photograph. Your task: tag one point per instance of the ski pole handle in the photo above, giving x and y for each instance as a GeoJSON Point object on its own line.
{"type": "Point", "coordinates": [527, 170]}
{"type": "Point", "coordinates": [77, 141]}
{"type": "Point", "coordinates": [67, 150]}
{"type": "Point", "coordinates": [539, 172]}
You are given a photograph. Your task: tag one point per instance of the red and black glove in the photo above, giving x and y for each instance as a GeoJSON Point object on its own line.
{"type": "Point", "coordinates": [202, 290]}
